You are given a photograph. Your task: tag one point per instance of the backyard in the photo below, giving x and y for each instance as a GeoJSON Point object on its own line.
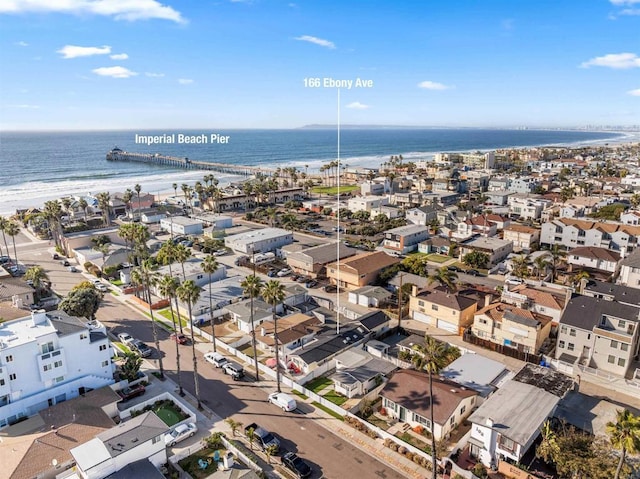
{"type": "Point", "coordinates": [202, 463]}
{"type": "Point", "coordinates": [318, 384]}
{"type": "Point", "coordinates": [438, 258]}
{"type": "Point", "coordinates": [166, 410]}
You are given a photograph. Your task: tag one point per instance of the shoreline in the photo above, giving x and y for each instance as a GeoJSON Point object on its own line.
{"type": "Point", "coordinates": [159, 183]}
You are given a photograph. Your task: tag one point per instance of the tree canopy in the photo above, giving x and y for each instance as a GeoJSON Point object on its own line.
{"type": "Point", "coordinates": [82, 302]}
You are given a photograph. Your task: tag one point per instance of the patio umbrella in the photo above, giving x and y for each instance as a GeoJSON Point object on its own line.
{"type": "Point", "coordinates": [271, 362]}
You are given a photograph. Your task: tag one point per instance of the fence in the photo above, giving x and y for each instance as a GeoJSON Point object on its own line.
{"type": "Point", "coordinates": [500, 348]}
{"type": "Point", "coordinates": [126, 413]}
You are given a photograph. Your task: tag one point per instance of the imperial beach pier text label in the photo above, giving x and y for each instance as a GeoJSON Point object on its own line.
{"type": "Point", "coordinates": [181, 138]}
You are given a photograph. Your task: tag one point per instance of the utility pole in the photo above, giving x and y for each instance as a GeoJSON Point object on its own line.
{"type": "Point", "coordinates": [400, 301]}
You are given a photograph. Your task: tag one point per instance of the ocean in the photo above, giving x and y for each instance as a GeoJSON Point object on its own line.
{"type": "Point", "coordinates": [39, 166]}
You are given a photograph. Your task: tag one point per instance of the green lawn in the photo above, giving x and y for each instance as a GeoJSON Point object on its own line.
{"type": "Point", "coordinates": [166, 313]}
{"type": "Point", "coordinates": [406, 437]}
{"type": "Point", "coordinates": [438, 258]}
{"type": "Point", "coordinates": [318, 384]}
{"type": "Point", "coordinates": [333, 190]}
{"type": "Point", "coordinates": [122, 347]}
{"type": "Point", "coordinates": [376, 421]}
{"type": "Point", "coordinates": [299, 394]}
{"type": "Point", "coordinates": [336, 398]}
{"type": "Point", "coordinates": [248, 350]}
{"type": "Point", "coordinates": [168, 412]}
{"type": "Point", "coordinates": [328, 411]}
{"type": "Point", "coordinates": [190, 464]}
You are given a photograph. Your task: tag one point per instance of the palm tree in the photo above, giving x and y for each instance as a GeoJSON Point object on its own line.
{"type": "Point", "coordinates": [273, 293]}
{"type": "Point", "coordinates": [444, 277]}
{"type": "Point", "coordinates": [12, 229]}
{"type": "Point", "coordinates": [84, 206]}
{"type": "Point", "coordinates": [624, 434]}
{"type": "Point", "coordinates": [209, 265]}
{"type": "Point", "coordinates": [520, 266]}
{"type": "Point", "coordinates": [186, 190]}
{"type": "Point", "coordinates": [167, 286]}
{"type": "Point", "coordinates": [556, 255]}
{"type": "Point", "coordinates": [175, 189]}
{"type": "Point", "coordinates": [189, 292]}
{"type": "Point", "coordinates": [37, 275]}
{"type": "Point", "coordinates": [182, 254]}
{"type": "Point", "coordinates": [431, 357]}
{"type": "Point", "coordinates": [137, 188]}
{"type": "Point", "coordinates": [104, 199]}
{"type": "Point", "coordinates": [143, 275]}
{"type": "Point", "coordinates": [252, 286]}
{"type": "Point", "coordinates": [3, 224]}
{"type": "Point", "coordinates": [541, 264]}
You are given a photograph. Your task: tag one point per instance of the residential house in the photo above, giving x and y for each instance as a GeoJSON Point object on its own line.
{"type": "Point", "coordinates": [39, 446]}
{"type": "Point", "coordinates": [360, 270]}
{"type": "Point", "coordinates": [528, 207]}
{"type": "Point", "coordinates": [48, 358]}
{"type": "Point", "coordinates": [481, 161]}
{"type": "Point", "coordinates": [370, 296]}
{"type": "Point", "coordinates": [611, 292]}
{"type": "Point", "coordinates": [435, 244]}
{"type": "Point", "coordinates": [496, 249]}
{"type": "Point", "coordinates": [375, 323]}
{"type": "Point", "coordinates": [498, 183]}
{"type": "Point", "coordinates": [497, 197]}
{"type": "Point", "coordinates": [141, 437]}
{"type": "Point", "coordinates": [512, 327]}
{"type": "Point", "coordinates": [404, 239]}
{"type": "Point", "coordinates": [477, 225]}
{"type": "Point", "coordinates": [509, 422]}
{"type": "Point", "coordinates": [312, 261]}
{"type": "Point", "coordinates": [192, 271]}
{"type": "Point", "coordinates": [593, 259]}
{"type": "Point", "coordinates": [524, 238]}
{"type": "Point", "coordinates": [423, 215]}
{"type": "Point", "coordinates": [546, 300]}
{"type": "Point", "coordinates": [452, 312]}
{"type": "Point", "coordinates": [630, 218]}
{"type": "Point", "coordinates": [240, 314]}
{"type": "Point", "coordinates": [294, 332]}
{"type": "Point", "coordinates": [15, 290]}
{"type": "Point", "coordinates": [358, 372]}
{"type": "Point", "coordinates": [630, 270]}
{"type": "Point", "coordinates": [367, 203]}
{"type": "Point", "coordinates": [259, 241]}
{"type": "Point", "coordinates": [477, 372]}
{"type": "Point", "coordinates": [411, 199]}
{"type": "Point", "coordinates": [523, 185]}
{"type": "Point", "coordinates": [215, 297]}
{"type": "Point", "coordinates": [181, 225]}
{"type": "Point", "coordinates": [404, 398]}
{"type": "Point", "coordinates": [319, 354]}
{"type": "Point", "coordinates": [214, 221]}
{"type": "Point", "coordinates": [572, 233]}
{"type": "Point", "coordinates": [598, 333]}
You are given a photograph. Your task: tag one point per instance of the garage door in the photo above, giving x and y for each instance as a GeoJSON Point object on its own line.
{"type": "Point", "coordinates": [452, 328]}
{"type": "Point", "coordinates": [424, 318]}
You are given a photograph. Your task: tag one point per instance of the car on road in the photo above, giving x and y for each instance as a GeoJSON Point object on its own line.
{"type": "Point", "coordinates": [283, 401]}
{"type": "Point", "coordinates": [65, 262]}
{"type": "Point", "coordinates": [311, 284]}
{"type": "Point", "coordinates": [72, 269]}
{"type": "Point", "coordinates": [454, 268]}
{"type": "Point", "coordinates": [125, 338]}
{"type": "Point", "coordinates": [233, 369]}
{"type": "Point", "coordinates": [262, 437]}
{"type": "Point", "coordinates": [217, 359]}
{"type": "Point", "coordinates": [131, 392]}
{"type": "Point", "coordinates": [272, 273]}
{"type": "Point", "coordinates": [513, 280]}
{"type": "Point", "coordinates": [180, 433]}
{"type": "Point", "coordinates": [297, 465]}
{"type": "Point", "coordinates": [179, 338]}
{"type": "Point", "coordinates": [473, 272]}
{"type": "Point", "coordinates": [284, 272]}
{"type": "Point", "coordinates": [56, 256]}
{"type": "Point", "coordinates": [141, 348]}
{"type": "Point", "coordinates": [102, 288]}
{"type": "Point", "coordinates": [220, 252]}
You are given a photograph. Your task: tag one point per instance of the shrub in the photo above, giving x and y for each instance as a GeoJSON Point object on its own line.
{"type": "Point", "coordinates": [393, 446]}
{"type": "Point", "coordinates": [402, 450]}
{"type": "Point", "coordinates": [417, 458]}
{"type": "Point", "coordinates": [419, 429]}
{"type": "Point", "coordinates": [387, 442]}
{"type": "Point", "coordinates": [409, 455]}
{"type": "Point", "coordinates": [479, 470]}
{"type": "Point", "coordinates": [372, 434]}
{"type": "Point", "coordinates": [383, 411]}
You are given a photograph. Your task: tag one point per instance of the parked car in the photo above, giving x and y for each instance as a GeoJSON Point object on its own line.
{"type": "Point", "coordinates": [272, 273]}
{"type": "Point", "coordinates": [220, 252]}
{"type": "Point", "coordinates": [217, 359]}
{"type": "Point", "coordinates": [283, 401]}
{"type": "Point", "coordinates": [125, 338]}
{"type": "Point", "coordinates": [233, 369]}
{"type": "Point", "coordinates": [262, 437]}
{"type": "Point", "coordinates": [179, 338]}
{"type": "Point", "coordinates": [473, 272]}
{"type": "Point", "coordinates": [72, 269]}
{"type": "Point", "coordinates": [56, 256]}
{"type": "Point", "coordinates": [330, 288]}
{"type": "Point", "coordinates": [65, 262]}
{"type": "Point", "coordinates": [180, 433]}
{"type": "Point", "coordinates": [102, 288]}
{"type": "Point", "coordinates": [297, 465]}
{"type": "Point", "coordinates": [311, 283]}
{"type": "Point", "coordinates": [513, 280]}
{"type": "Point", "coordinates": [132, 392]}
{"type": "Point", "coordinates": [141, 348]}
{"type": "Point", "coordinates": [302, 279]}
{"type": "Point", "coordinates": [454, 268]}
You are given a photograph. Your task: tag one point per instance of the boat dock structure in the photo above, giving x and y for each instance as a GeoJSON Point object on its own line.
{"type": "Point", "coordinates": [116, 154]}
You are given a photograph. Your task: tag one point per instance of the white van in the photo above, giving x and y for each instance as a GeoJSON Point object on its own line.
{"type": "Point", "coordinates": [284, 401]}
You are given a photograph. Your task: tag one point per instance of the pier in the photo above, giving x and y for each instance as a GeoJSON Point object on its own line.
{"type": "Point", "coordinates": [185, 163]}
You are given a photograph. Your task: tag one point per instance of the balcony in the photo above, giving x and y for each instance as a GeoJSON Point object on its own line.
{"type": "Point", "coordinates": [612, 333]}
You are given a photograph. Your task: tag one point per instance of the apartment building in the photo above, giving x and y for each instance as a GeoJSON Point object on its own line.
{"type": "Point", "coordinates": [524, 238]}
{"type": "Point", "coordinates": [423, 215]}
{"type": "Point", "coordinates": [630, 270]}
{"type": "Point", "coordinates": [442, 309]}
{"type": "Point", "coordinates": [497, 249]}
{"type": "Point", "coordinates": [598, 333]}
{"type": "Point", "coordinates": [523, 185]}
{"type": "Point", "coordinates": [572, 233]}
{"type": "Point", "coordinates": [360, 270]}
{"type": "Point", "coordinates": [367, 203]}
{"type": "Point", "coordinates": [526, 207]}
{"type": "Point", "coordinates": [47, 358]}
{"type": "Point", "coordinates": [259, 241]}
{"type": "Point", "coordinates": [593, 259]}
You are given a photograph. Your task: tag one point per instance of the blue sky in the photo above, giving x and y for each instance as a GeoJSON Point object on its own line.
{"type": "Point", "coordinates": [160, 64]}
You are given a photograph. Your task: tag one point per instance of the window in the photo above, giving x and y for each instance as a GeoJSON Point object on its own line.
{"type": "Point", "coordinates": [1, 382]}
{"type": "Point", "coordinates": [103, 347]}
{"type": "Point", "coordinates": [483, 321]}
{"type": "Point", "coordinates": [46, 367]}
{"type": "Point", "coordinates": [434, 307]}
{"type": "Point", "coordinates": [506, 443]}
{"type": "Point", "coordinates": [622, 324]}
{"type": "Point", "coordinates": [614, 344]}
{"type": "Point", "coordinates": [420, 303]}
{"type": "Point", "coordinates": [563, 329]}
{"type": "Point", "coordinates": [12, 376]}
{"type": "Point", "coordinates": [624, 347]}
{"type": "Point", "coordinates": [9, 358]}
{"type": "Point", "coordinates": [572, 332]}
{"type": "Point", "coordinates": [611, 359]}
{"type": "Point", "coordinates": [47, 347]}
{"type": "Point", "coordinates": [57, 364]}
{"type": "Point", "coordinates": [571, 346]}
{"type": "Point", "coordinates": [463, 409]}
{"type": "Point", "coordinates": [105, 364]}
{"type": "Point", "coordinates": [83, 336]}
{"type": "Point", "coordinates": [452, 421]}
{"type": "Point", "coordinates": [561, 344]}
{"type": "Point", "coordinates": [156, 439]}
{"type": "Point", "coordinates": [59, 379]}
{"type": "Point", "coordinates": [622, 362]}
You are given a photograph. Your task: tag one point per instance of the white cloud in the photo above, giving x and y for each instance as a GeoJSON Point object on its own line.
{"type": "Point", "coordinates": [24, 106]}
{"type": "Point", "coordinates": [129, 10]}
{"type": "Point", "coordinates": [119, 56]}
{"type": "Point", "coordinates": [356, 105]}
{"type": "Point", "coordinates": [74, 51]}
{"type": "Point", "coordinates": [634, 92]}
{"type": "Point", "coordinates": [624, 2]}
{"type": "Point", "coordinates": [22, 44]}
{"type": "Point", "coordinates": [619, 61]}
{"type": "Point", "coordinates": [432, 85]}
{"type": "Point", "coordinates": [154, 75]}
{"type": "Point", "coordinates": [316, 41]}
{"type": "Point", "coordinates": [185, 81]}
{"type": "Point", "coordinates": [114, 72]}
